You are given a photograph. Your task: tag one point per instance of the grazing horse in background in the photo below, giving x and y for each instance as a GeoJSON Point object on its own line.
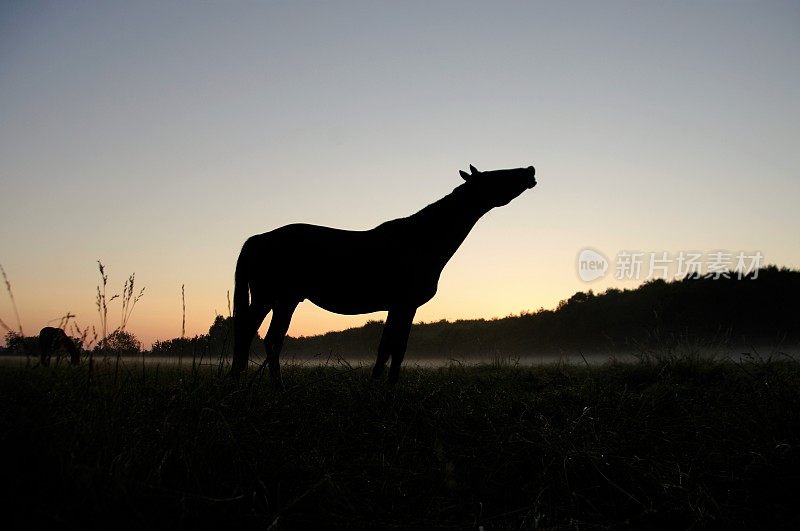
{"type": "Point", "coordinates": [55, 340]}
{"type": "Point", "coordinates": [394, 267]}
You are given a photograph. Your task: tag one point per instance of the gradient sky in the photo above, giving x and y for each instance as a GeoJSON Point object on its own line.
{"type": "Point", "coordinates": [157, 136]}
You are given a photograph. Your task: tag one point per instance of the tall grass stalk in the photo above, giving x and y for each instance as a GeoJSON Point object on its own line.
{"type": "Point", "coordinates": [102, 305]}
{"type": "Point", "coordinates": [13, 302]}
{"type": "Point", "coordinates": [183, 305]}
{"type": "Point", "coordinates": [83, 334]}
{"type": "Point", "coordinates": [222, 350]}
{"type": "Point", "coordinates": [183, 323]}
{"type": "Point", "coordinates": [128, 300]}
{"type": "Point", "coordinates": [63, 321]}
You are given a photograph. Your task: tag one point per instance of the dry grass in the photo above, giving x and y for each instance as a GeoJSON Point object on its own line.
{"type": "Point", "coordinates": [682, 444]}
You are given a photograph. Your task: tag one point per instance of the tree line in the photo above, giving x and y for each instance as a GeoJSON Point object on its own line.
{"type": "Point", "coordinates": [747, 311]}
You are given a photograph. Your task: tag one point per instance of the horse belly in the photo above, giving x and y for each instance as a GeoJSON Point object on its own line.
{"type": "Point", "coordinates": [350, 293]}
{"type": "Point", "coordinates": [370, 290]}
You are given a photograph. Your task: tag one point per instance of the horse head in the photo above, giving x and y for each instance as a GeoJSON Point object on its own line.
{"type": "Point", "coordinates": [499, 187]}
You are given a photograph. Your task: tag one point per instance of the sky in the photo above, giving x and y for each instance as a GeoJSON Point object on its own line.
{"type": "Point", "coordinates": [157, 136]}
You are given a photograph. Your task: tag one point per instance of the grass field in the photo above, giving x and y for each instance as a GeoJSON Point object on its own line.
{"type": "Point", "coordinates": [670, 443]}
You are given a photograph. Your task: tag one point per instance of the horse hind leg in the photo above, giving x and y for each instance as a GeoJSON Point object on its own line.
{"type": "Point", "coordinates": [245, 326]}
{"type": "Point", "coordinates": [273, 341]}
{"type": "Point", "coordinates": [393, 342]}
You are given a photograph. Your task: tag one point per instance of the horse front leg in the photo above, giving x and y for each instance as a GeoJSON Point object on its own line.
{"type": "Point", "coordinates": [273, 341]}
{"type": "Point", "coordinates": [394, 341]}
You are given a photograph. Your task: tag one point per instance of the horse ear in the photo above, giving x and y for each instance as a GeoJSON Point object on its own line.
{"type": "Point", "coordinates": [464, 175]}
{"type": "Point", "coordinates": [473, 169]}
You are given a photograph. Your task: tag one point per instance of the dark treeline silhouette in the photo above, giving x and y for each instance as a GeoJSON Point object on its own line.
{"type": "Point", "coordinates": [657, 314]}
{"type": "Point", "coordinates": [218, 343]}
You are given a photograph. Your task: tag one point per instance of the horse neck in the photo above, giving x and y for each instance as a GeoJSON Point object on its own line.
{"type": "Point", "coordinates": [446, 223]}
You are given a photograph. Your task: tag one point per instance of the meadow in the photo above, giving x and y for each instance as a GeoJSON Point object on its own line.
{"type": "Point", "coordinates": [666, 442]}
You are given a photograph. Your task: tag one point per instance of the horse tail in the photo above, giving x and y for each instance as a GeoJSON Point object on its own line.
{"type": "Point", "coordinates": [241, 286]}
{"type": "Point", "coordinates": [241, 307]}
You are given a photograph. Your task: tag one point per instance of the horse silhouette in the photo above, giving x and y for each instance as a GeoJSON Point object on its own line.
{"type": "Point", "coordinates": [56, 340]}
{"type": "Point", "coordinates": [393, 267]}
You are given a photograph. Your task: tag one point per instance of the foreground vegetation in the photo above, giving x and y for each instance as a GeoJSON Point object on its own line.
{"type": "Point", "coordinates": [672, 443]}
